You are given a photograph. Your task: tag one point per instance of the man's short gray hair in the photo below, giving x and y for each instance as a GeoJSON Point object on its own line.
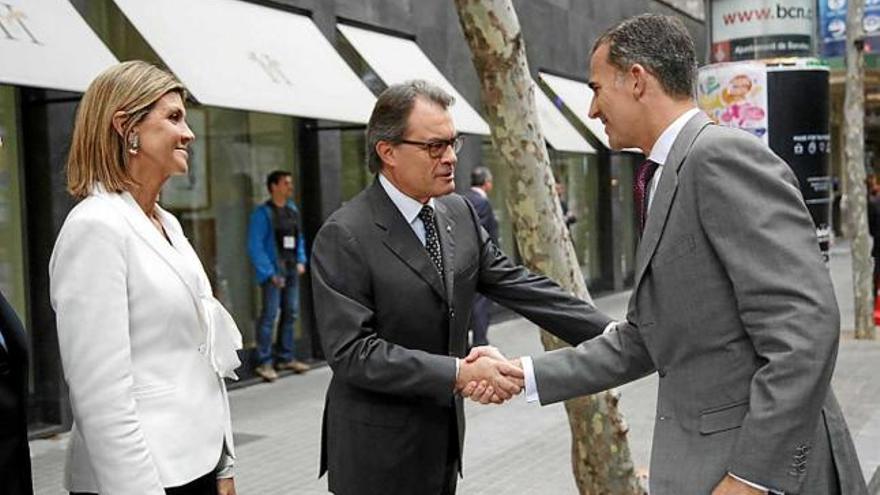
{"type": "Point", "coordinates": [390, 116]}
{"type": "Point", "coordinates": [480, 176]}
{"type": "Point", "coordinates": [659, 43]}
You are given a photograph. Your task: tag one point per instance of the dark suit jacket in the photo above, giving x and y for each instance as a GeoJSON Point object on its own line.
{"type": "Point", "coordinates": [391, 327]}
{"type": "Point", "coordinates": [485, 213]}
{"type": "Point", "coordinates": [734, 309]}
{"type": "Point", "coordinates": [15, 459]}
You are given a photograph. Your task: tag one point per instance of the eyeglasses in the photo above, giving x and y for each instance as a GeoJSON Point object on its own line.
{"type": "Point", "coordinates": [437, 147]}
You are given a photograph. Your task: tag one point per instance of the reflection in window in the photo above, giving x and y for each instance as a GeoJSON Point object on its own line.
{"type": "Point", "coordinates": [355, 174]}
{"type": "Point", "coordinates": [11, 236]}
{"type": "Point", "coordinates": [233, 153]}
{"type": "Point", "coordinates": [578, 177]}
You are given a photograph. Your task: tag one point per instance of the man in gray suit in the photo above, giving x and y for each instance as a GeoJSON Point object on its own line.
{"type": "Point", "coordinates": [732, 305]}
{"type": "Point", "coordinates": [394, 272]}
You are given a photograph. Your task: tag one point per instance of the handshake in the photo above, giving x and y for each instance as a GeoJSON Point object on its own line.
{"type": "Point", "coordinates": [486, 376]}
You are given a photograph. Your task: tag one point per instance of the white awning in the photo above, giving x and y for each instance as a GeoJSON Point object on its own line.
{"type": "Point", "coordinates": [396, 60]}
{"type": "Point", "coordinates": [558, 131]}
{"type": "Point", "coordinates": [46, 44]}
{"type": "Point", "coordinates": [245, 56]}
{"type": "Point", "coordinates": [578, 97]}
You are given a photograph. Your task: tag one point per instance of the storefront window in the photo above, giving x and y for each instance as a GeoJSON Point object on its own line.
{"type": "Point", "coordinates": [578, 175]}
{"type": "Point", "coordinates": [623, 166]}
{"type": "Point", "coordinates": [233, 153]}
{"type": "Point", "coordinates": [12, 269]}
{"type": "Point", "coordinates": [355, 174]}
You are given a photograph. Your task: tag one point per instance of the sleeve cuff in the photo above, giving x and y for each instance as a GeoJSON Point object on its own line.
{"type": "Point", "coordinates": [531, 383]}
{"type": "Point", "coordinates": [610, 327]}
{"type": "Point", "coordinates": [754, 485]}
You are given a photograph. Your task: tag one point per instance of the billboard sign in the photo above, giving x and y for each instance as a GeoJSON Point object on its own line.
{"type": "Point", "coordinates": [832, 27]}
{"type": "Point", "coordinates": [756, 29]}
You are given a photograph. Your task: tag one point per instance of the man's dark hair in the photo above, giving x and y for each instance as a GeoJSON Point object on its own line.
{"type": "Point", "coordinates": [275, 177]}
{"type": "Point", "coordinates": [480, 176]}
{"type": "Point", "coordinates": [390, 116]}
{"type": "Point", "coordinates": [659, 43]}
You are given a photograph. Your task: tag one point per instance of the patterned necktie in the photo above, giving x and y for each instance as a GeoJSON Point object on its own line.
{"type": "Point", "coordinates": [640, 190]}
{"type": "Point", "coordinates": [432, 243]}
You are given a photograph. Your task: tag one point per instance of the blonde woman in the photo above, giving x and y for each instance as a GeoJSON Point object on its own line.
{"type": "Point", "coordinates": [144, 344]}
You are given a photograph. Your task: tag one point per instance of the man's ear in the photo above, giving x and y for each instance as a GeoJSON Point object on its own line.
{"type": "Point", "coordinates": [386, 152]}
{"type": "Point", "coordinates": [119, 123]}
{"type": "Point", "coordinates": [639, 80]}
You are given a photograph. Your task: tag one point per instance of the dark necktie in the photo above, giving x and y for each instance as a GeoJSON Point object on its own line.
{"type": "Point", "coordinates": [432, 243]}
{"type": "Point", "coordinates": [640, 190]}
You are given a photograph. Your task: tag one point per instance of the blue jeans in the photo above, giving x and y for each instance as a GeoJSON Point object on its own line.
{"type": "Point", "coordinates": [287, 299]}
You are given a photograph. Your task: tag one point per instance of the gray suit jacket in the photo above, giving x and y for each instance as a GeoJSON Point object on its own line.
{"type": "Point", "coordinates": [734, 309]}
{"type": "Point", "coordinates": [391, 328]}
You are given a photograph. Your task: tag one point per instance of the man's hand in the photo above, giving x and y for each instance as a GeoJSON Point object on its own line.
{"type": "Point", "coordinates": [484, 350]}
{"type": "Point", "coordinates": [278, 281]}
{"type": "Point", "coordinates": [226, 486]}
{"type": "Point", "coordinates": [732, 486]}
{"type": "Point", "coordinates": [480, 391]}
{"type": "Point", "coordinates": [300, 268]}
{"type": "Point", "coordinates": [496, 380]}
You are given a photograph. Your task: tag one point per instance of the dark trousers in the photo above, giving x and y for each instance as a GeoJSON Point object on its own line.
{"type": "Point", "coordinates": [452, 460]}
{"type": "Point", "coordinates": [206, 485]}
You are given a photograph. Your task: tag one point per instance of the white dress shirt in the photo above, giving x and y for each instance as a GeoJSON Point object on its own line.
{"type": "Point", "coordinates": [408, 207]}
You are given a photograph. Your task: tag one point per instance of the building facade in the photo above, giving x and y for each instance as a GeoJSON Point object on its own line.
{"type": "Point", "coordinates": [240, 138]}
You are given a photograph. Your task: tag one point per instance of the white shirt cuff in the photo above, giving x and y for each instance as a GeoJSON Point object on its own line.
{"type": "Point", "coordinates": [531, 383]}
{"type": "Point", "coordinates": [609, 328]}
{"type": "Point", "coordinates": [754, 485]}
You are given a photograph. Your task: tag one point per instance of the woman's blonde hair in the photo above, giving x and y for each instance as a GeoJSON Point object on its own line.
{"type": "Point", "coordinates": [97, 151]}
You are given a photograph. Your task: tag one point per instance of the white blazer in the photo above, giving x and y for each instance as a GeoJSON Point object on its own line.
{"type": "Point", "coordinates": [135, 318]}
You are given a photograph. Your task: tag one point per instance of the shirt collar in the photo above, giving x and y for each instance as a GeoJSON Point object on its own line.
{"type": "Point", "coordinates": [408, 207]}
{"type": "Point", "coordinates": [660, 151]}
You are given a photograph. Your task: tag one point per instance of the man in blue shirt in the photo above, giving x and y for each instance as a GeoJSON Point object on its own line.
{"type": "Point", "coordinates": [277, 251]}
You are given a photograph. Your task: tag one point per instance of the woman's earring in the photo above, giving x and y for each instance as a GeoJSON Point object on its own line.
{"type": "Point", "coordinates": [133, 143]}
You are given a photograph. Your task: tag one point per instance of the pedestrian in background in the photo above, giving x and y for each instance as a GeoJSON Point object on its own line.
{"type": "Point", "coordinates": [15, 457]}
{"type": "Point", "coordinates": [144, 344]}
{"type": "Point", "coordinates": [277, 251]}
{"type": "Point", "coordinates": [478, 196]}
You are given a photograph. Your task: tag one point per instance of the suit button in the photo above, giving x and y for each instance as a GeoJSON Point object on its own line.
{"type": "Point", "coordinates": [661, 372]}
{"type": "Point", "coordinates": [452, 313]}
{"type": "Point", "coordinates": [202, 348]}
{"type": "Point", "coordinates": [662, 418]}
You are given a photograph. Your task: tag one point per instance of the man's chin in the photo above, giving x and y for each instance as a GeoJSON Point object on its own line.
{"type": "Point", "coordinates": [448, 187]}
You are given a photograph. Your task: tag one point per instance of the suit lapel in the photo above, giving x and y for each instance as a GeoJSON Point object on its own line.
{"type": "Point", "coordinates": [445, 226]}
{"type": "Point", "coordinates": [401, 240]}
{"type": "Point", "coordinates": [665, 193]}
{"type": "Point", "coordinates": [153, 238]}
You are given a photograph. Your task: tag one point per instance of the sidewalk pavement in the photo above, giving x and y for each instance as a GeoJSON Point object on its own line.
{"type": "Point", "coordinates": [516, 448]}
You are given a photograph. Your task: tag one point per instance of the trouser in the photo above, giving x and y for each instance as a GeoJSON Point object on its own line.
{"type": "Point", "coordinates": [287, 300]}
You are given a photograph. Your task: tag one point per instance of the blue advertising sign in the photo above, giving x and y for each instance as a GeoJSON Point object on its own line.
{"type": "Point", "coordinates": [832, 27]}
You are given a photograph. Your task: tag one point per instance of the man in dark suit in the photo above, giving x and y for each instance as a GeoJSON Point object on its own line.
{"type": "Point", "coordinates": [395, 271]}
{"type": "Point", "coordinates": [15, 458]}
{"type": "Point", "coordinates": [478, 195]}
{"type": "Point", "coordinates": [732, 304]}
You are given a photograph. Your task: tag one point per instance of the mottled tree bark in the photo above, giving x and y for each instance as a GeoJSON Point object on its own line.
{"type": "Point", "coordinates": [600, 453]}
{"type": "Point", "coordinates": [856, 196]}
